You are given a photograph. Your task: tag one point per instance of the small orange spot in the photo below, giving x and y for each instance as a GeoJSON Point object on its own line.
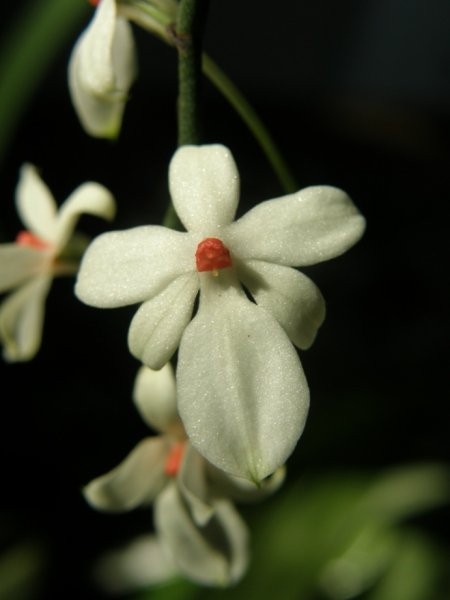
{"type": "Point", "coordinates": [94, 2]}
{"type": "Point", "coordinates": [174, 458]}
{"type": "Point", "coordinates": [212, 255]}
{"type": "Point", "coordinates": [26, 238]}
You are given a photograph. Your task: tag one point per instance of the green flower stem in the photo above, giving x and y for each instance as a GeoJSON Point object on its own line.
{"type": "Point", "coordinates": [187, 38]}
{"type": "Point", "coordinates": [248, 114]}
{"type": "Point", "coordinates": [188, 41]}
{"type": "Point", "coordinates": [189, 87]}
{"type": "Point", "coordinates": [250, 117]}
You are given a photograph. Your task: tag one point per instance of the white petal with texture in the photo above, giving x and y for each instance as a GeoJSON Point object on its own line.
{"type": "Point", "coordinates": [308, 227]}
{"type": "Point", "coordinates": [35, 204]}
{"type": "Point", "coordinates": [137, 480]}
{"type": "Point", "coordinates": [126, 267]}
{"type": "Point", "coordinates": [204, 185]}
{"type": "Point", "coordinates": [90, 198]}
{"type": "Point", "coordinates": [291, 297]}
{"type": "Point", "coordinates": [242, 394]}
{"type": "Point", "coordinates": [18, 263]}
{"type": "Point", "coordinates": [155, 397]}
{"type": "Point", "coordinates": [102, 69]}
{"type": "Point", "coordinates": [22, 319]}
{"type": "Point", "coordinates": [158, 325]}
{"type": "Point", "coordinates": [216, 554]}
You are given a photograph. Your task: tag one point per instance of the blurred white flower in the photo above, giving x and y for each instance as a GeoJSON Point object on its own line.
{"type": "Point", "coordinates": [242, 394]}
{"type": "Point", "coordinates": [103, 63]}
{"type": "Point", "coordinates": [102, 69]}
{"type": "Point", "coordinates": [193, 517]}
{"type": "Point", "coordinates": [40, 253]}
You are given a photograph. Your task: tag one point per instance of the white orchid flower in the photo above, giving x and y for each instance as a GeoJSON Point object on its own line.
{"type": "Point", "coordinates": [188, 494]}
{"type": "Point", "coordinates": [39, 254]}
{"type": "Point", "coordinates": [242, 394]}
{"type": "Point", "coordinates": [102, 69]}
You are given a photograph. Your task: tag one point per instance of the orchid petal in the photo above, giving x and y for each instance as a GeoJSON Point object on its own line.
{"type": "Point", "coordinates": [18, 263]}
{"type": "Point", "coordinates": [22, 319]}
{"type": "Point", "coordinates": [308, 227]}
{"type": "Point", "coordinates": [136, 481]}
{"type": "Point", "coordinates": [242, 394]}
{"type": "Point", "coordinates": [125, 267]}
{"type": "Point", "coordinates": [158, 325]}
{"type": "Point", "coordinates": [90, 198]}
{"type": "Point", "coordinates": [193, 486]}
{"type": "Point", "coordinates": [291, 297]}
{"type": "Point", "coordinates": [154, 395]}
{"type": "Point", "coordinates": [236, 535]}
{"type": "Point", "coordinates": [204, 185]}
{"type": "Point", "coordinates": [102, 69]}
{"type": "Point", "coordinates": [35, 203]}
{"type": "Point", "coordinates": [216, 554]}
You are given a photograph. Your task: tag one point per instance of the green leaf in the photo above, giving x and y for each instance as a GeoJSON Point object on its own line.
{"type": "Point", "coordinates": [34, 40]}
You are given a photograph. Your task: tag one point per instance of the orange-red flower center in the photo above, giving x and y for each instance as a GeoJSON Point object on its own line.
{"type": "Point", "coordinates": [174, 458]}
{"type": "Point", "coordinates": [212, 255]}
{"type": "Point", "coordinates": [26, 238]}
{"type": "Point", "coordinates": [94, 2]}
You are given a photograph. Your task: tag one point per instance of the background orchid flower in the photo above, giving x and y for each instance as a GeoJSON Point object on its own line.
{"type": "Point", "coordinates": [40, 253]}
{"type": "Point", "coordinates": [102, 69]}
{"type": "Point", "coordinates": [183, 548]}
{"type": "Point", "coordinates": [166, 471]}
{"type": "Point", "coordinates": [242, 394]}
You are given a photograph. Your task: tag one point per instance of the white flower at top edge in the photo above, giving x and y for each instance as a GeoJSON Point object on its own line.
{"type": "Point", "coordinates": [102, 69]}
{"type": "Point", "coordinates": [192, 508]}
{"type": "Point", "coordinates": [28, 265]}
{"type": "Point", "coordinates": [242, 394]}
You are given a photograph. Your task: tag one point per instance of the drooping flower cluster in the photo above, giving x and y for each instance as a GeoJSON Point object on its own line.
{"type": "Point", "coordinates": [46, 249]}
{"type": "Point", "coordinates": [225, 293]}
{"type": "Point", "coordinates": [242, 394]}
{"type": "Point", "coordinates": [198, 531]}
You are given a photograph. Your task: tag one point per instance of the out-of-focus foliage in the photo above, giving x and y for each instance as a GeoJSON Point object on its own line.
{"type": "Point", "coordinates": [26, 52]}
{"type": "Point", "coordinates": [21, 570]}
{"type": "Point", "coordinates": [339, 536]}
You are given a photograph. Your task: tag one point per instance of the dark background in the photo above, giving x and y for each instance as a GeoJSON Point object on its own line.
{"type": "Point", "coordinates": [357, 94]}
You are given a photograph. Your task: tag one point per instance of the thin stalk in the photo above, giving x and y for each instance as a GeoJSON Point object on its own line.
{"type": "Point", "coordinates": [248, 114]}
{"type": "Point", "coordinates": [188, 41]}
{"type": "Point", "coordinates": [187, 38]}
{"type": "Point", "coordinates": [231, 93]}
